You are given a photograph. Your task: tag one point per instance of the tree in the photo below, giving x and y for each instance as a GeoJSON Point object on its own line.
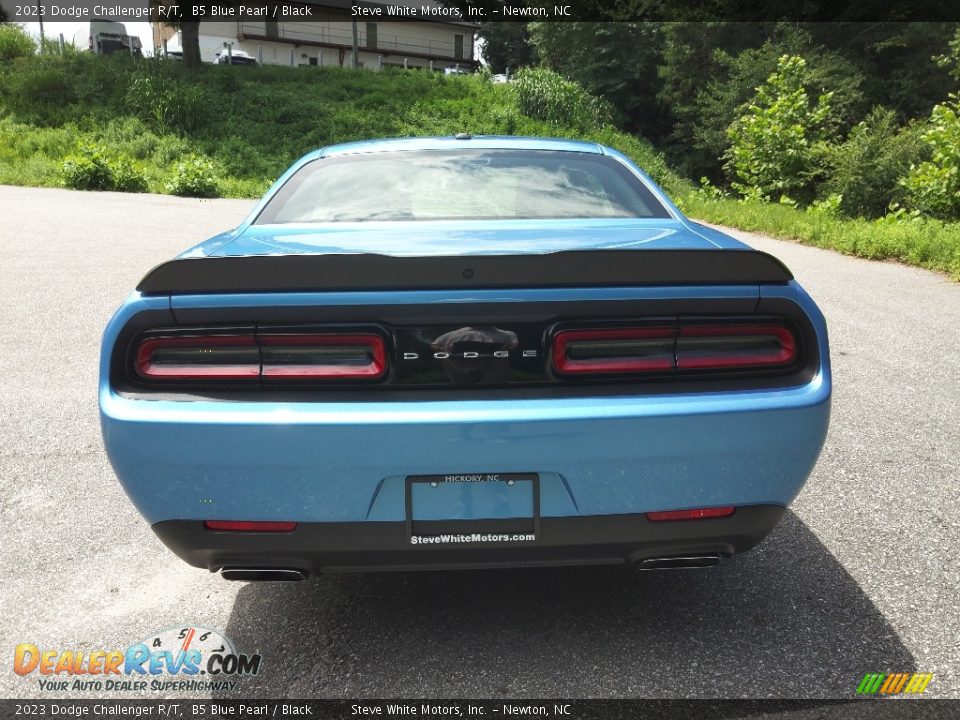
{"type": "Point", "coordinates": [189, 30]}
{"type": "Point", "coordinates": [507, 45]}
{"type": "Point", "coordinates": [778, 144]}
{"type": "Point", "coordinates": [613, 60]}
{"type": "Point", "coordinates": [708, 70]}
{"type": "Point", "coordinates": [190, 41]}
{"type": "Point", "coordinates": [934, 186]}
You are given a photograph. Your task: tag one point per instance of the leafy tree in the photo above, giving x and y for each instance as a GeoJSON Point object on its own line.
{"type": "Point", "coordinates": [951, 60]}
{"type": "Point", "coordinates": [893, 59]}
{"type": "Point", "coordinates": [709, 69]}
{"type": "Point", "coordinates": [778, 143]}
{"type": "Point", "coordinates": [690, 57]}
{"type": "Point", "coordinates": [614, 60]}
{"type": "Point", "coordinates": [934, 186]}
{"type": "Point", "coordinates": [507, 45]}
{"type": "Point", "coordinates": [866, 169]}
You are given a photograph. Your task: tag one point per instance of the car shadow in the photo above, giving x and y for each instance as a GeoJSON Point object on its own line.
{"type": "Point", "coordinates": [784, 620]}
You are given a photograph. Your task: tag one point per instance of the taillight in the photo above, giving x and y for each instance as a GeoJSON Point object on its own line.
{"type": "Point", "coordinates": [699, 347]}
{"type": "Point", "coordinates": [613, 350]}
{"type": "Point", "coordinates": [341, 357]}
{"type": "Point", "coordinates": [710, 347]}
{"type": "Point", "coordinates": [246, 356]}
{"type": "Point", "coordinates": [207, 357]}
{"type": "Point", "coordinates": [250, 526]}
{"type": "Point", "coordinates": [696, 514]}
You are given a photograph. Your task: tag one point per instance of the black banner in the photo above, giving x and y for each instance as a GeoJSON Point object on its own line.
{"type": "Point", "coordinates": [867, 709]}
{"type": "Point", "coordinates": [482, 11]}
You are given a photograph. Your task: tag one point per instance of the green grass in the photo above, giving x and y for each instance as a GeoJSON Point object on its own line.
{"type": "Point", "coordinates": [251, 122]}
{"type": "Point", "coordinates": [926, 243]}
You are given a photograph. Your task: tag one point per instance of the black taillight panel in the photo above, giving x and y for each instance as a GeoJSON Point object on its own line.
{"type": "Point", "coordinates": [656, 353]}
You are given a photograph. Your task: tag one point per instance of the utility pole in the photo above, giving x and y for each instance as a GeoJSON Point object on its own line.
{"type": "Point", "coordinates": [354, 60]}
{"type": "Point", "coordinates": [40, 18]}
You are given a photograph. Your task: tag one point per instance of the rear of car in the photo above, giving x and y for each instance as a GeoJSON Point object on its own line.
{"type": "Point", "coordinates": [464, 353]}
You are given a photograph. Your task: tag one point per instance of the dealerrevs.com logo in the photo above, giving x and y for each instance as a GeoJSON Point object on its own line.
{"type": "Point", "coordinates": [894, 683]}
{"type": "Point", "coordinates": [185, 658]}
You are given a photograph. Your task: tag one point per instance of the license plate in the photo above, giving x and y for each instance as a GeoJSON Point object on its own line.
{"type": "Point", "coordinates": [474, 508]}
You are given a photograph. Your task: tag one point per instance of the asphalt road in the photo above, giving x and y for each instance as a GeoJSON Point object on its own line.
{"type": "Point", "coordinates": [862, 576]}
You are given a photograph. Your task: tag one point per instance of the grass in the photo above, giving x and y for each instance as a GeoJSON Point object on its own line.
{"type": "Point", "coordinates": [252, 123]}
{"type": "Point", "coordinates": [922, 242]}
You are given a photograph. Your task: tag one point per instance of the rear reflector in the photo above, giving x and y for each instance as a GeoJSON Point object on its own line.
{"type": "Point", "coordinates": [709, 347]}
{"type": "Point", "coordinates": [323, 356]}
{"type": "Point", "coordinates": [249, 526]}
{"type": "Point", "coordinates": [613, 350]}
{"type": "Point", "coordinates": [211, 357]}
{"type": "Point", "coordinates": [698, 514]}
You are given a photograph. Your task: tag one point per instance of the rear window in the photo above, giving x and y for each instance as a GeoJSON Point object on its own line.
{"type": "Point", "coordinates": [461, 185]}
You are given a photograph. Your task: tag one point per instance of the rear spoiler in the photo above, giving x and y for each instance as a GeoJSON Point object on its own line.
{"type": "Point", "coordinates": [571, 268]}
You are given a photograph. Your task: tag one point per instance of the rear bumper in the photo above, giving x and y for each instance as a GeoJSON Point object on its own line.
{"type": "Point", "coordinates": [332, 547]}
{"type": "Point", "coordinates": [343, 463]}
{"type": "Point", "coordinates": [338, 467]}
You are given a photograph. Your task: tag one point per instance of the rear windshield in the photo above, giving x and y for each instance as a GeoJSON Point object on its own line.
{"type": "Point", "coordinates": [461, 185]}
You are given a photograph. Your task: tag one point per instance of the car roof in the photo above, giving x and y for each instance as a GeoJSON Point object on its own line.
{"type": "Point", "coordinates": [480, 142]}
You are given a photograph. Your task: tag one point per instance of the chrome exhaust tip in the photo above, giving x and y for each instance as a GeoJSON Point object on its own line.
{"type": "Point", "coordinates": [680, 562]}
{"type": "Point", "coordinates": [262, 574]}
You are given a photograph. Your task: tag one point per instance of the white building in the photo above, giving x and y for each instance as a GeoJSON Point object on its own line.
{"type": "Point", "coordinates": [438, 41]}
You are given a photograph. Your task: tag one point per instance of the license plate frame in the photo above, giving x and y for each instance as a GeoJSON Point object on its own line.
{"type": "Point", "coordinates": [522, 524]}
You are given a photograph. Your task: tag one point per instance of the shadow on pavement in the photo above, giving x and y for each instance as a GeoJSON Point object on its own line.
{"type": "Point", "coordinates": [784, 620]}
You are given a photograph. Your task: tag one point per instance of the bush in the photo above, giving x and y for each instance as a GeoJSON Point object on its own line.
{"type": "Point", "coordinates": [164, 101]}
{"type": "Point", "coordinates": [194, 176]}
{"type": "Point", "coordinates": [904, 237]}
{"type": "Point", "coordinates": [545, 95]}
{"type": "Point", "coordinates": [126, 175]}
{"type": "Point", "coordinates": [93, 167]}
{"type": "Point", "coordinates": [15, 43]}
{"type": "Point", "coordinates": [88, 169]}
{"type": "Point", "coordinates": [934, 186]}
{"type": "Point", "coordinates": [778, 144]}
{"type": "Point", "coordinates": [865, 171]}
{"type": "Point", "coordinates": [36, 89]}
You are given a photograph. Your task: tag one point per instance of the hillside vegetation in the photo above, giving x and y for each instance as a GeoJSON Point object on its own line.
{"type": "Point", "coordinates": [87, 122]}
{"type": "Point", "coordinates": [231, 131]}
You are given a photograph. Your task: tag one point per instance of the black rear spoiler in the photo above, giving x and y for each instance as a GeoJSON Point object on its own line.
{"type": "Point", "coordinates": [572, 268]}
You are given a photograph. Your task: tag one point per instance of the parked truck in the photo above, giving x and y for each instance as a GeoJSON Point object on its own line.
{"type": "Point", "coordinates": [108, 37]}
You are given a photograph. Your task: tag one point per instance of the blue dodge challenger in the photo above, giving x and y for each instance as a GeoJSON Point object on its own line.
{"type": "Point", "coordinates": [464, 352]}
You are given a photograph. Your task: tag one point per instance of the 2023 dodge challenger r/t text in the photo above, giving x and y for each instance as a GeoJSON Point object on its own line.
{"type": "Point", "coordinates": [464, 352]}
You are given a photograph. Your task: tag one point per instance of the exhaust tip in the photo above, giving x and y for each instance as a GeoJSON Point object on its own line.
{"type": "Point", "coordinates": [262, 574]}
{"type": "Point", "coordinates": [680, 562]}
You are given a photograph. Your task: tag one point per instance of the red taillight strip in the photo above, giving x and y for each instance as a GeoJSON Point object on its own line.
{"type": "Point", "coordinates": [697, 514]}
{"type": "Point", "coordinates": [371, 345]}
{"type": "Point", "coordinates": [261, 356]}
{"type": "Point", "coordinates": [565, 339]}
{"type": "Point", "coordinates": [689, 358]}
{"type": "Point", "coordinates": [253, 526]}
{"type": "Point", "coordinates": [687, 347]}
{"type": "Point", "coordinates": [201, 344]}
